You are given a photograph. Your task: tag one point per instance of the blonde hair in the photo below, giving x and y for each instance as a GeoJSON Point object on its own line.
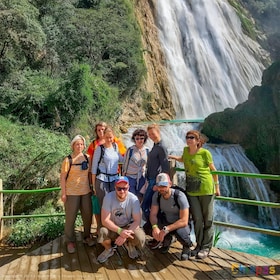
{"type": "Point", "coordinates": [108, 129]}
{"type": "Point", "coordinates": [75, 139]}
{"type": "Point", "coordinates": [153, 126]}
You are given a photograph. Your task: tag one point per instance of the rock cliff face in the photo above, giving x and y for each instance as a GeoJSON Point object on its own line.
{"type": "Point", "coordinates": [154, 95]}
{"type": "Point", "coordinates": [254, 124]}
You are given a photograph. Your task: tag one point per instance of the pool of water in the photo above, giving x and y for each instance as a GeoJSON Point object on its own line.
{"type": "Point", "coordinates": [250, 242]}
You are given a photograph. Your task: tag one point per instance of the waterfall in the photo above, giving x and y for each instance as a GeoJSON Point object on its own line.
{"type": "Point", "coordinates": [211, 64]}
{"type": "Point", "coordinates": [226, 158]}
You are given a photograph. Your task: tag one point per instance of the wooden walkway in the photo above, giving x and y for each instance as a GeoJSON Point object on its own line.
{"type": "Point", "coordinates": [51, 261]}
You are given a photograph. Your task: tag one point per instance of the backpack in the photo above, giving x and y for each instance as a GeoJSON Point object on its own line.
{"type": "Point", "coordinates": [70, 162]}
{"type": "Point", "coordinates": [102, 155]}
{"type": "Point", "coordinates": [176, 194]}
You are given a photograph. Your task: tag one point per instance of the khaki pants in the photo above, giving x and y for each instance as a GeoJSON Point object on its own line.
{"type": "Point", "coordinates": [138, 241]}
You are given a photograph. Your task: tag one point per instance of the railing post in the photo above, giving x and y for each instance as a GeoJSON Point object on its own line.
{"type": "Point", "coordinates": [1, 210]}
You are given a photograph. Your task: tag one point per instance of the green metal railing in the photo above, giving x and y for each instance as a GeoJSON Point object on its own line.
{"type": "Point", "coordinates": [246, 201]}
{"type": "Point", "coordinates": [222, 198]}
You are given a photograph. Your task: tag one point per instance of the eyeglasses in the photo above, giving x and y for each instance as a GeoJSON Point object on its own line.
{"type": "Point", "coordinates": [139, 138]}
{"type": "Point", "coordinates": [121, 189]}
{"type": "Point", "coordinates": [190, 137]}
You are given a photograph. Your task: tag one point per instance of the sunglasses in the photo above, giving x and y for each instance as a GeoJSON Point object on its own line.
{"type": "Point", "coordinates": [190, 137]}
{"type": "Point", "coordinates": [139, 138]}
{"type": "Point", "coordinates": [121, 189]}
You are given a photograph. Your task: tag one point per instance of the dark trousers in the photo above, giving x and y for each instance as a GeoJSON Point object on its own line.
{"type": "Point", "coordinates": [182, 234]}
{"type": "Point", "coordinates": [147, 199]}
{"type": "Point", "coordinates": [73, 204]}
{"type": "Point", "coordinates": [202, 208]}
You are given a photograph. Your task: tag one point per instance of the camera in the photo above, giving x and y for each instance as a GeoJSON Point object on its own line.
{"type": "Point", "coordinates": [84, 165]}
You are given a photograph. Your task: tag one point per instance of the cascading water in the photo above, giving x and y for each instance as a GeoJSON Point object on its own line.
{"type": "Point", "coordinates": [211, 64]}
{"type": "Point", "coordinates": [228, 158]}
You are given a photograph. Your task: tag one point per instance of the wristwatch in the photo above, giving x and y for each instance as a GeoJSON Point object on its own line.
{"type": "Point", "coordinates": [166, 231]}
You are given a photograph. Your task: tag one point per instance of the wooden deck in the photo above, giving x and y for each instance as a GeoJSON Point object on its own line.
{"type": "Point", "coordinates": [51, 261]}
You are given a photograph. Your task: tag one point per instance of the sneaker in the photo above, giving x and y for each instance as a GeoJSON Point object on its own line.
{"type": "Point", "coordinates": [71, 247]}
{"type": "Point", "coordinates": [202, 254]}
{"type": "Point", "coordinates": [154, 244]}
{"type": "Point", "coordinates": [186, 252]}
{"type": "Point", "coordinates": [166, 244]}
{"type": "Point", "coordinates": [89, 241]}
{"type": "Point", "coordinates": [131, 250]}
{"type": "Point", "coordinates": [195, 251]}
{"type": "Point", "coordinates": [174, 239]}
{"type": "Point", "coordinates": [105, 255]}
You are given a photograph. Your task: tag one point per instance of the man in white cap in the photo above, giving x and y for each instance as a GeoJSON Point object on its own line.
{"type": "Point", "coordinates": [121, 218]}
{"type": "Point", "coordinates": [169, 216]}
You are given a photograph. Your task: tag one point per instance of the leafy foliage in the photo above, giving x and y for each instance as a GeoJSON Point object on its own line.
{"type": "Point", "coordinates": [28, 231]}
{"type": "Point", "coordinates": [50, 51]}
{"type": "Point", "coordinates": [31, 159]}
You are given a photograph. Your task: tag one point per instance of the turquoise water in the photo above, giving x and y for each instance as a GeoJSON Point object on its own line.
{"type": "Point", "coordinates": [252, 243]}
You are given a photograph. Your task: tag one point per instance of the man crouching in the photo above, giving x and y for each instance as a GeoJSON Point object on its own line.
{"type": "Point", "coordinates": [121, 218]}
{"type": "Point", "coordinates": [169, 217]}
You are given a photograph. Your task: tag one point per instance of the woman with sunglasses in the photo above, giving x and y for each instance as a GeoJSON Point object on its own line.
{"type": "Point", "coordinates": [135, 161]}
{"type": "Point", "coordinates": [201, 186]}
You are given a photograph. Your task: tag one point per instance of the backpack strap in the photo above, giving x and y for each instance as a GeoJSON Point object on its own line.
{"type": "Point", "coordinates": [70, 163]}
{"type": "Point", "coordinates": [176, 194]}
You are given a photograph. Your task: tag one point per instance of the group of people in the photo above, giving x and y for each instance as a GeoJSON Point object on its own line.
{"type": "Point", "coordinates": [138, 189]}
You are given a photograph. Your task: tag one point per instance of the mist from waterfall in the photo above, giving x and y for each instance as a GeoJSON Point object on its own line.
{"type": "Point", "coordinates": [211, 64]}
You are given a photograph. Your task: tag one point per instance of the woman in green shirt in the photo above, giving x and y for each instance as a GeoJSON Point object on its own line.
{"type": "Point", "coordinates": [201, 186]}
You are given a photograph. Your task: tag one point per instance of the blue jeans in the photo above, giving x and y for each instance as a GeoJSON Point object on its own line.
{"type": "Point", "coordinates": [147, 200]}
{"type": "Point", "coordinates": [133, 184]}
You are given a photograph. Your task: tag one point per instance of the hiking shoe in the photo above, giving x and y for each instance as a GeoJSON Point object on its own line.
{"type": "Point", "coordinates": [202, 254]}
{"type": "Point", "coordinates": [105, 255]}
{"type": "Point", "coordinates": [131, 250]}
{"type": "Point", "coordinates": [71, 247]}
{"type": "Point", "coordinates": [166, 244]}
{"type": "Point", "coordinates": [89, 241]}
{"type": "Point", "coordinates": [154, 244]}
{"type": "Point", "coordinates": [174, 239]}
{"type": "Point", "coordinates": [195, 251]}
{"type": "Point", "coordinates": [186, 252]}
{"type": "Point", "coordinates": [164, 249]}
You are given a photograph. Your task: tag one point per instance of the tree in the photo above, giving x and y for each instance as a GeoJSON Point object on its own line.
{"type": "Point", "coordinates": [21, 37]}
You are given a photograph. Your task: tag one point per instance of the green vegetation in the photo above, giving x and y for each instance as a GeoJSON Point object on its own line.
{"type": "Point", "coordinates": [247, 23]}
{"type": "Point", "coordinates": [62, 61]}
{"type": "Point", "coordinates": [64, 65]}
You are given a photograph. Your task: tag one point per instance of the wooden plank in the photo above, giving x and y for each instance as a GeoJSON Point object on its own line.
{"type": "Point", "coordinates": [232, 260]}
{"type": "Point", "coordinates": [254, 261]}
{"type": "Point", "coordinates": [12, 270]}
{"type": "Point", "coordinates": [51, 261]}
{"type": "Point", "coordinates": [69, 264]}
{"type": "Point", "coordinates": [55, 261]}
{"type": "Point", "coordinates": [44, 265]}
{"type": "Point", "coordinates": [193, 271]}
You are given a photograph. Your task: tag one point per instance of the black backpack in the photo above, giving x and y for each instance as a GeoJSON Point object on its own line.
{"type": "Point", "coordinates": [176, 194]}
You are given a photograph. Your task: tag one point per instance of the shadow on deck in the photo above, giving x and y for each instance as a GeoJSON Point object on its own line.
{"type": "Point", "coordinates": [51, 261]}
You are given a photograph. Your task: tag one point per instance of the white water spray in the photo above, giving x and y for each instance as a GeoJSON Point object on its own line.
{"type": "Point", "coordinates": [211, 64]}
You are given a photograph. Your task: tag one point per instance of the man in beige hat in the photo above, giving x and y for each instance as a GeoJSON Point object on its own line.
{"type": "Point", "coordinates": [169, 216]}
